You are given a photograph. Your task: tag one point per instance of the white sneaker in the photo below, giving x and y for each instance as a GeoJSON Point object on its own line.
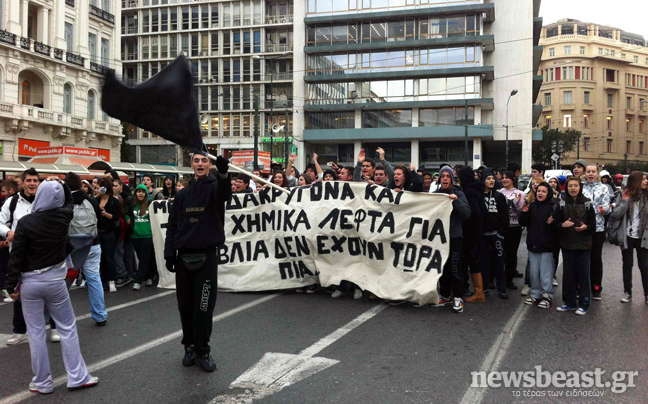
{"type": "Point", "coordinates": [554, 283]}
{"type": "Point", "coordinates": [357, 294]}
{"type": "Point", "coordinates": [34, 389]}
{"type": "Point", "coordinates": [7, 300]}
{"type": "Point", "coordinates": [83, 284]}
{"type": "Point", "coordinates": [137, 286]}
{"type": "Point", "coordinates": [94, 380]}
{"type": "Point", "coordinates": [337, 294]}
{"type": "Point", "coordinates": [112, 287]}
{"type": "Point", "coordinates": [17, 339]}
{"type": "Point", "coordinates": [627, 298]}
{"type": "Point", "coordinates": [54, 336]}
{"type": "Point", "coordinates": [458, 305]}
{"type": "Point", "coordinates": [526, 290]}
{"type": "Point", "coordinates": [149, 282]}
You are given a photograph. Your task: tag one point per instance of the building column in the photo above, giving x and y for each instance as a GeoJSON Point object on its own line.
{"type": "Point", "coordinates": [477, 153]}
{"type": "Point", "coordinates": [299, 93]}
{"type": "Point", "coordinates": [415, 117]}
{"type": "Point", "coordinates": [414, 158]}
{"type": "Point", "coordinates": [526, 154]}
{"type": "Point", "coordinates": [358, 119]}
{"type": "Point", "coordinates": [43, 25]}
{"type": "Point", "coordinates": [13, 16]}
{"type": "Point", "coordinates": [59, 35]}
{"type": "Point", "coordinates": [24, 14]}
{"type": "Point", "coordinates": [357, 146]}
{"type": "Point", "coordinates": [81, 29]}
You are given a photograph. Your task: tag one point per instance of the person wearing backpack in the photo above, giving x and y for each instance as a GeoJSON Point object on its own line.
{"type": "Point", "coordinates": [83, 234]}
{"type": "Point", "coordinates": [142, 234]}
{"type": "Point", "coordinates": [576, 221]}
{"type": "Point", "coordinates": [631, 217]}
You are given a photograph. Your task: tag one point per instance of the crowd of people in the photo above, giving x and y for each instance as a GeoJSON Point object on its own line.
{"type": "Point", "coordinates": [571, 215]}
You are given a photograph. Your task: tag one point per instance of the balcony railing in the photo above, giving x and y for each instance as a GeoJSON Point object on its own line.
{"type": "Point", "coordinates": [104, 15]}
{"type": "Point", "coordinates": [129, 3]}
{"type": "Point", "coordinates": [7, 37]}
{"type": "Point", "coordinates": [278, 76]}
{"type": "Point", "coordinates": [280, 47]}
{"type": "Point", "coordinates": [69, 3]}
{"type": "Point", "coordinates": [24, 42]}
{"type": "Point", "coordinates": [97, 68]}
{"type": "Point", "coordinates": [41, 48]}
{"type": "Point", "coordinates": [128, 30]}
{"type": "Point", "coordinates": [58, 53]}
{"type": "Point", "coordinates": [75, 59]}
{"type": "Point", "coordinates": [278, 19]}
{"type": "Point", "coordinates": [6, 108]}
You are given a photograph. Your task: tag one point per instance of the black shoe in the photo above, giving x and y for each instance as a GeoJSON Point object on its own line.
{"type": "Point", "coordinates": [503, 295]}
{"type": "Point", "coordinates": [189, 357]}
{"type": "Point", "coordinates": [518, 275]}
{"type": "Point", "coordinates": [123, 282]}
{"type": "Point", "coordinates": [511, 285]}
{"type": "Point", "coordinates": [596, 295]}
{"type": "Point", "coordinates": [206, 363]}
{"type": "Point", "coordinates": [101, 323]}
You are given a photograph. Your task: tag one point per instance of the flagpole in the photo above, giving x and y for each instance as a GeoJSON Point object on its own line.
{"type": "Point", "coordinates": [242, 171]}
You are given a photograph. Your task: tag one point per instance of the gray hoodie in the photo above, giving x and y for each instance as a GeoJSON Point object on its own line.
{"type": "Point", "coordinates": [49, 196]}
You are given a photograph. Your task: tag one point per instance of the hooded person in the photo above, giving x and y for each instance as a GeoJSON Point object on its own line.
{"type": "Point", "coordinates": [39, 260]}
{"type": "Point", "coordinates": [452, 277]}
{"type": "Point", "coordinates": [329, 175]}
{"type": "Point", "coordinates": [169, 191]}
{"type": "Point", "coordinates": [606, 179]}
{"type": "Point", "coordinates": [406, 180]}
{"type": "Point", "coordinates": [491, 250]}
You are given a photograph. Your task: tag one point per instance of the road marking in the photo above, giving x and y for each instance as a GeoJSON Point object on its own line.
{"type": "Point", "coordinates": [134, 302]}
{"type": "Point", "coordinates": [139, 349]}
{"type": "Point", "coordinates": [278, 370]}
{"type": "Point", "coordinates": [475, 395]}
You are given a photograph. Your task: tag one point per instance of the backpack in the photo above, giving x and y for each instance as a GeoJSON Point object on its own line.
{"type": "Point", "coordinates": [12, 207]}
{"type": "Point", "coordinates": [84, 220]}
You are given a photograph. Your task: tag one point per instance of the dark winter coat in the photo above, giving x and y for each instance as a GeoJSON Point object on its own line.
{"type": "Point", "coordinates": [541, 236]}
{"type": "Point", "coordinates": [496, 220]}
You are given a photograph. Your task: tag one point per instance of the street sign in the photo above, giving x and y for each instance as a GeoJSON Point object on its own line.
{"type": "Point", "coordinates": [555, 157]}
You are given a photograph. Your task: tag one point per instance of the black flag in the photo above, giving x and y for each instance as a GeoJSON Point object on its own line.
{"type": "Point", "coordinates": [163, 105]}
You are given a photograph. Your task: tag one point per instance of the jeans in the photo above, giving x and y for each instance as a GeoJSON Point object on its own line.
{"type": "Point", "coordinates": [40, 291]}
{"type": "Point", "coordinates": [576, 272]}
{"type": "Point", "coordinates": [120, 267]}
{"type": "Point", "coordinates": [596, 259]}
{"type": "Point", "coordinates": [93, 281]}
{"type": "Point", "coordinates": [541, 269]}
{"type": "Point", "coordinates": [143, 248]}
{"type": "Point", "coordinates": [452, 278]}
{"type": "Point", "coordinates": [642, 261]}
{"type": "Point", "coordinates": [511, 245]}
{"type": "Point", "coordinates": [491, 256]}
{"type": "Point", "coordinates": [108, 241]}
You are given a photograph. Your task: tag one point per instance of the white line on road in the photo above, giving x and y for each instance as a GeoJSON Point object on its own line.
{"type": "Point", "coordinates": [475, 395]}
{"type": "Point", "coordinates": [276, 371]}
{"type": "Point", "coordinates": [128, 304]}
{"type": "Point", "coordinates": [139, 349]}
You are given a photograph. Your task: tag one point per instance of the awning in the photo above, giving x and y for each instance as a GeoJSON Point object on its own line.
{"type": "Point", "coordinates": [140, 168]}
{"type": "Point", "coordinates": [15, 167]}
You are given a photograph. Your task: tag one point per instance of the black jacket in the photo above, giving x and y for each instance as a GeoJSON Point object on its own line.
{"type": "Point", "coordinates": [496, 218]}
{"type": "Point", "coordinates": [413, 182]}
{"type": "Point", "coordinates": [40, 240]}
{"type": "Point", "coordinates": [474, 192]}
{"type": "Point", "coordinates": [541, 237]}
{"type": "Point", "coordinates": [197, 216]}
{"type": "Point", "coordinates": [579, 210]}
{"type": "Point", "coordinates": [113, 206]}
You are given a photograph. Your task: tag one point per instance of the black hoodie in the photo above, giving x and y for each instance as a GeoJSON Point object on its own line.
{"type": "Point", "coordinates": [413, 182]}
{"type": "Point", "coordinates": [541, 236]}
{"type": "Point", "coordinates": [579, 210]}
{"type": "Point", "coordinates": [474, 192]}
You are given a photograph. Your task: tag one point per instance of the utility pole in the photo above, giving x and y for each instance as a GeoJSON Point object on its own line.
{"type": "Point", "coordinates": [578, 148]}
{"type": "Point", "coordinates": [625, 163]}
{"type": "Point", "coordinates": [466, 134]}
{"type": "Point", "coordinates": [271, 111]}
{"type": "Point", "coordinates": [286, 143]}
{"type": "Point", "coordinates": [255, 163]}
{"type": "Point", "coordinates": [558, 149]}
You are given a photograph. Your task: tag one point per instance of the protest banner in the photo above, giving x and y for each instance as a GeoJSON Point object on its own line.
{"type": "Point", "coordinates": [392, 244]}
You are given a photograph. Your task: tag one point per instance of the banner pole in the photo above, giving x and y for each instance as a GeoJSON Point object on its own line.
{"type": "Point", "coordinates": [242, 171]}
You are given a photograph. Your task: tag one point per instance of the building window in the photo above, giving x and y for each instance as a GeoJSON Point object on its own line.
{"type": "Point", "coordinates": [567, 50]}
{"type": "Point", "coordinates": [600, 51]}
{"type": "Point", "coordinates": [91, 105]}
{"type": "Point", "coordinates": [623, 55]}
{"type": "Point", "coordinates": [548, 121]}
{"type": "Point", "coordinates": [69, 36]}
{"type": "Point", "coordinates": [610, 101]}
{"type": "Point", "coordinates": [582, 50]}
{"type": "Point", "coordinates": [628, 125]}
{"type": "Point", "coordinates": [105, 52]}
{"type": "Point", "coordinates": [92, 46]}
{"type": "Point", "coordinates": [26, 93]}
{"type": "Point", "coordinates": [67, 98]}
{"type": "Point", "coordinates": [567, 97]}
{"type": "Point", "coordinates": [628, 146]}
{"type": "Point", "coordinates": [586, 144]}
{"type": "Point", "coordinates": [547, 99]}
{"type": "Point", "coordinates": [387, 119]}
{"type": "Point", "coordinates": [641, 148]}
{"type": "Point", "coordinates": [586, 97]}
{"type": "Point", "coordinates": [552, 52]}
{"type": "Point", "coordinates": [628, 102]}
{"type": "Point", "coordinates": [567, 121]}
{"type": "Point", "coordinates": [641, 125]}
{"type": "Point", "coordinates": [636, 59]}
{"type": "Point", "coordinates": [609, 145]}
{"type": "Point", "coordinates": [586, 119]}
{"type": "Point", "coordinates": [609, 122]}
{"type": "Point", "coordinates": [610, 75]}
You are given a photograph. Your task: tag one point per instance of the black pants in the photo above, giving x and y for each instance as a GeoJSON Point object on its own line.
{"type": "Point", "coordinates": [642, 260]}
{"type": "Point", "coordinates": [108, 241]}
{"type": "Point", "coordinates": [4, 266]}
{"type": "Point", "coordinates": [556, 256]}
{"type": "Point", "coordinates": [452, 277]}
{"type": "Point", "coordinates": [19, 325]}
{"type": "Point", "coordinates": [196, 292]}
{"type": "Point", "coordinates": [576, 272]}
{"type": "Point", "coordinates": [491, 257]}
{"type": "Point", "coordinates": [143, 248]}
{"type": "Point", "coordinates": [511, 244]}
{"type": "Point", "coordinates": [596, 259]}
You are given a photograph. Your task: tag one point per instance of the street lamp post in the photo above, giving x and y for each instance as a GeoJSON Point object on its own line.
{"type": "Point", "coordinates": [507, 125]}
{"type": "Point", "coordinates": [625, 163]}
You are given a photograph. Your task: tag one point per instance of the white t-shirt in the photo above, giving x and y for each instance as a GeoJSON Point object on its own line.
{"type": "Point", "coordinates": [634, 223]}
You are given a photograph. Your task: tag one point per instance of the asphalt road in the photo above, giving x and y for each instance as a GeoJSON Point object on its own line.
{"type": "Point", "coordinates": [349, 351]}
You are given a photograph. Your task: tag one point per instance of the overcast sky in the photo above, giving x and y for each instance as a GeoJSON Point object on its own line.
{"type": "Point", "coordinates": [622, 14]}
